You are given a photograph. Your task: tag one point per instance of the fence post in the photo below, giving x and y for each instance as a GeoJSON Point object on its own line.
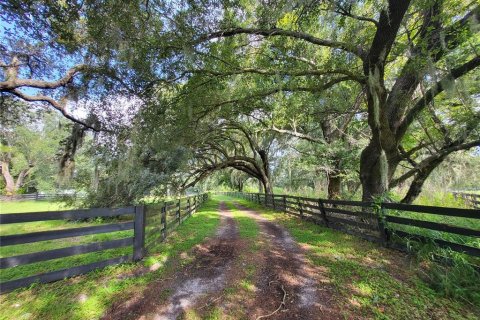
{"type": "Point", "coordinates": [139, 233]}
{"type": "Point", "coordinates": [189, 207]}
{"type": "Point", "coordinates": [179, 214]}
{"type": "Point", "coordinates": [273, 202]}
{"type": "Point", "coordinates": [163, 220]}
{"type": "Point", "coordinates": [285, 203]}
{"type": "Point", "coordinates": [384, 236]}
{"type": "Point", "coordinates": [322, 210]}
{"type": "Point", "coordinates": [258, 198]}
{"type": "Point", "coordinates": [300, 207]}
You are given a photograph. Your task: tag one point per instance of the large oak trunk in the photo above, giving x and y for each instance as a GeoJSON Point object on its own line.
{"type": "Point", "coordinates": [373, 161]}
{"type": "Point", "coordinates": [334, 185]}
{"type": "Point", "coordinates": [9, 181]}
{"type": "Point", "coordinates": [267, 187]}
{"type": "Point", "coordinates": [373, 171]}
{"type": "Point", "coordinates": [419, 180]}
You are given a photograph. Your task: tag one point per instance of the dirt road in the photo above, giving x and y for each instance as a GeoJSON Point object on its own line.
{"type": "Point", "coordinates": [287, 286]}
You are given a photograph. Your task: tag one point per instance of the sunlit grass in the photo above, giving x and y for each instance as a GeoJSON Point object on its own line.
{"type": "Point", "coordinates": [248, 228]}
{"type": "Point", "coordinates": [31, 206]}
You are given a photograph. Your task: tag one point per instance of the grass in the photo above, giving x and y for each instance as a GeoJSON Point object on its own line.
{"type": "Point", "coordinates": [439, 199]}
{"type": "Point", "coordinates": [31, 206]}
{"type": "Point", "coordinates": [248, 229]}
{"type": "Point", "coordinates": [89, 296]}
{"type": "Point", "coordinates": [459, 260]}
{"type": "Point", "coordinates": [372, 281]}
{"type": "Point", "coordinates": [453, 221]}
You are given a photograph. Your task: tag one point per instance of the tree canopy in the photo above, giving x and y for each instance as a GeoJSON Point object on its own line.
{"type": "Point", "coordinates": [373, 95]}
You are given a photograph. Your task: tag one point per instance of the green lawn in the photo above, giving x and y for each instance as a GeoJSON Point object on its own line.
{"type": "Point", "coordinates": [88, 296]}
{"type": "Point", "coordinates": [377, 282]}
{"type": "Point", "coordinates": [453, 221]}
{"type": "Point", "coordinates": [31, 206]}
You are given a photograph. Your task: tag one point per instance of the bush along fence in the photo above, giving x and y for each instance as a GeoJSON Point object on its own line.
{"type": "Point", "coordinates": [139, 220]}
{"type": "Point", "coordinates": [470, 199]}
{"type": "Point", "coordinates": [391, 224]}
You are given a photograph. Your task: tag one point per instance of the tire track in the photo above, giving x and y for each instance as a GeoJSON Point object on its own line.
{"type": "Point", "coordinates": [287, 271]}
{"type": "Point", "coordinates": [208, 274]}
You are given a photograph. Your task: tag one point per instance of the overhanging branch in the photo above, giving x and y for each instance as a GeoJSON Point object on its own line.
{"type": "Point", "coordinates": [435, 90]}
{"type": "Point", "coordinates": [347, 47]}
{"type": "Point", "coordinates": [57, 105]}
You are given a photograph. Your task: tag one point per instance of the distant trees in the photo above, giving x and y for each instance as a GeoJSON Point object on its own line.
{"type": "Point", "coordinates": [231, 145]}
{"type": "Point", "coordinates": [29, 151]}
{"type": "Point", "coordinates": [332, 131]}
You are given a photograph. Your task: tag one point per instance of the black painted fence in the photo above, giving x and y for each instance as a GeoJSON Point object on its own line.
{"type": "Point", "coordinates": [163, 217]}
{"type": "Point", "coordinates": [383, 223]}
{"type": "Point", "coordinates": [140, 219]}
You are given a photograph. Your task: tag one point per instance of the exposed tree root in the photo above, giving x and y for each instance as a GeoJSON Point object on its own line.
{"type": "Point", "coordinates": [282, 304]}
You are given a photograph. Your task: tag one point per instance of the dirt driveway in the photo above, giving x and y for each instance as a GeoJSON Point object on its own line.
{"type": "Point", "coordinates": [286, 286]}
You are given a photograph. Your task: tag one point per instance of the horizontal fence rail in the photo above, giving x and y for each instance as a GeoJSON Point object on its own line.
{"type": "Point", "coordinates": [33, 237]}
{"type": "Point", "coordinates": [385, 222]}
{"type": "Point", "coordinates": [134, 218]}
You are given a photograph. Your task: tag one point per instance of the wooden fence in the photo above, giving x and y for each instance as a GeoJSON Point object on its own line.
{"type": "Point", "coordinates": [136, 218]}
{"type": "Point", "coordinates": [384, 223]}
{"type": "Point", "coordinates": [470, 199]}
{"type": "Point", "coordinates": [165, 216]}
{"type": "Point", "coordinates": [38, 196]}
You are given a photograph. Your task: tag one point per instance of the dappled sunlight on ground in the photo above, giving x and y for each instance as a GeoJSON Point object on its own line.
{"type": "Point", "coordinates": [374, 282]}
{"type": "Point", "coordinates": [277, 256]}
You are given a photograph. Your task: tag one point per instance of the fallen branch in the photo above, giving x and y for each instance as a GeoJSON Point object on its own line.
{"type": "Point", "coordinates": [282, 304]}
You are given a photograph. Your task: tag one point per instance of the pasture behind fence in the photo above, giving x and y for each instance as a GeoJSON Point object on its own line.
{"type": "Point", "coordinates": [386, 223]}
{"type": "Point", "coordinates": [142, 220]}
{"type": "Point", "coordinates": [39, 196]}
